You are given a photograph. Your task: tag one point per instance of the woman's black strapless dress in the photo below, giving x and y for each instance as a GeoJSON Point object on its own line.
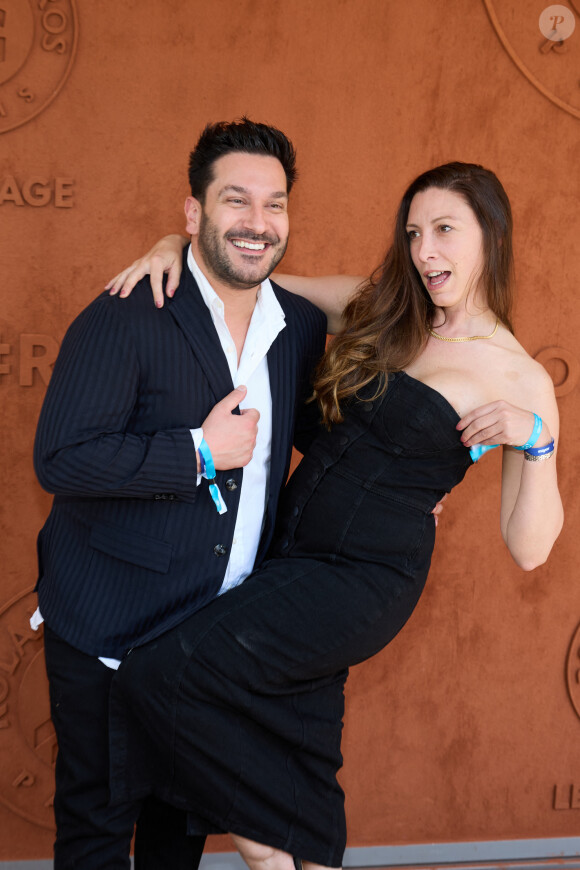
{"type": "Point", "coordinates": [236, 714]}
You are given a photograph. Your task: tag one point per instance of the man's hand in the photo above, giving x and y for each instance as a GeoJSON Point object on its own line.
{"type": "Point", "coordinates": [231, 437]}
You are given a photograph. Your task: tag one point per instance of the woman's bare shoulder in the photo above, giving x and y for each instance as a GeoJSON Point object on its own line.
{"type": "Point", "coordinates": [532, 376]}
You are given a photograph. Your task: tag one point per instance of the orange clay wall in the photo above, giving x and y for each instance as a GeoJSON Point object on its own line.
{"type": "Point", "coordinates": [468, 726]}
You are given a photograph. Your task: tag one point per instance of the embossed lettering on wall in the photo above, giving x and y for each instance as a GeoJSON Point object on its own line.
{"type": "Point", "coordinates": [27, 739]}
{"type": "Point", "coordinates": [567, 797]}
{"type": "Point", "coordinates": [30, 360]}
{"type": "Point", "coordinates": [37, 47]}
{"type": "Point", "coordinates": [37, 190]}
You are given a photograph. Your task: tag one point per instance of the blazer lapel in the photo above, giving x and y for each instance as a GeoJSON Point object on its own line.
{"type": "Point", "coordinates": [283, 389]}
{"type": "Point", "coordinates": [194, 319]}
{"type": "Point", "coordinates": [283, 373]}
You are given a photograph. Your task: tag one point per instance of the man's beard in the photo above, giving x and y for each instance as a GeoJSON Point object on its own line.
{"type": "Point", "coordinates": [214, 251]}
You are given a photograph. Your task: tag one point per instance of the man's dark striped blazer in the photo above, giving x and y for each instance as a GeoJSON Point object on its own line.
{"type": "Point", "coordinates": [132, 546]}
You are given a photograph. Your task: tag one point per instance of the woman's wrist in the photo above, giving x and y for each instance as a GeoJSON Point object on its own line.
{"type": "Point", "coordinates": [538, 454]}
{"type": "Point", "coordinates": [539, 437]}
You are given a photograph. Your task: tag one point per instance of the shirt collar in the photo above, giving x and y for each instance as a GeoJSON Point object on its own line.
{"type": "Point", "coordinates": [267, 305]}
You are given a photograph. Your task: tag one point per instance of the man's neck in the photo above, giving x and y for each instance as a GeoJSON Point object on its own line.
{"type": "Point", "coordinates": [238, 304]}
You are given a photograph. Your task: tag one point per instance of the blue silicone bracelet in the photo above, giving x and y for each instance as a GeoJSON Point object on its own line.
{"type": "Point", "coordinates": [534, 436]}
{"type": "Point", "coordinates": [541, 451]}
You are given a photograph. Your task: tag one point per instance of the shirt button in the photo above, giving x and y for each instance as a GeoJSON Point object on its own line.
{"type": "Point", "coordinates": [231, 484]}
{"type": "Point", "coordinates": [295, 511]}
{"type": "Point", "coordinates": [344, 439]}
{"type": "Point", "coordinates": [220, 549]}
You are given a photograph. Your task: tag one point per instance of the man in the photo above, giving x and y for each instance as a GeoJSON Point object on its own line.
{"type": "Point", "coordinates": [141, 408]}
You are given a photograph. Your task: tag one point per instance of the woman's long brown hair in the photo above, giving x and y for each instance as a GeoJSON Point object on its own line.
{"type": "Point", "coordinates": [387, 322]}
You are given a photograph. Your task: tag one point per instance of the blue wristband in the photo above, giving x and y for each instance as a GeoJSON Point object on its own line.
{"type": "Point", "coordinates": [207, 459]}
{"type": "Point", "coordinates": [209, 472]}
{"type": "Point", "coordinates": [534, 436]}
{"type": "Point", "coordinates": [477, 451]}
{"type": "Point", "coordinates": [541, 451]}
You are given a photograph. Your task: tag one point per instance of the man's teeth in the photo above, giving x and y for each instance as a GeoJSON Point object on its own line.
{"type": "Point", "coordinates": [252, 246]}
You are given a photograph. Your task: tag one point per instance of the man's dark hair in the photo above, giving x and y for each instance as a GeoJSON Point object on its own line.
{"type": "Point", "coordinates": [245, 136]}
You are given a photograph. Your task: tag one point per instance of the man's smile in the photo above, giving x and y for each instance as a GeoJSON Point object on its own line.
{"type": "Point", "coordinates": [250, 246]}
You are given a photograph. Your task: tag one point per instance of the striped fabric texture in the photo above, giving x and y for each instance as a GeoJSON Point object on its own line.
{"type": "Point", "coordinates": [131, 546]}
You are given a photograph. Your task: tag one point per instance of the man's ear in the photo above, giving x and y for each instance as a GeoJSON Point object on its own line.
{"type": "Point", "coordinates": [192, 210]}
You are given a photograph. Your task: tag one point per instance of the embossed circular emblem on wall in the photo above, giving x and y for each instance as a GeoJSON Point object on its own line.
{"type": "Point", "coordinates": [559, 358]}
{"type": "Point", "coordinates": [551, 63]}
{"type": "Point", "coordinates": [27, 738]}
{"type": "Point", "coordinates": [573, 671]}
{"type": "Point", "coordinates": [38, 41]}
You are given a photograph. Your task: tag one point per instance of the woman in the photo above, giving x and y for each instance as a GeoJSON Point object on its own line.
{"type": "Point", "coordinates": [236, 714]}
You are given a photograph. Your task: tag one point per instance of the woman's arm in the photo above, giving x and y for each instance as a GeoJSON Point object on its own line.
{"type": "Point", "coordinates": [531, 508]}
{"type": "Point", "coordinates": [330, 293]}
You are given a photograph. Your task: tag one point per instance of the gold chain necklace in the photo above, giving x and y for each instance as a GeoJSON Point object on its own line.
{"type": "Point", "coordinates": [465, 338]}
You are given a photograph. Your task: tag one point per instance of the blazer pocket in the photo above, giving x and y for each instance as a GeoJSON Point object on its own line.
{"type": "Point", "coordinates": [150, 553]}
